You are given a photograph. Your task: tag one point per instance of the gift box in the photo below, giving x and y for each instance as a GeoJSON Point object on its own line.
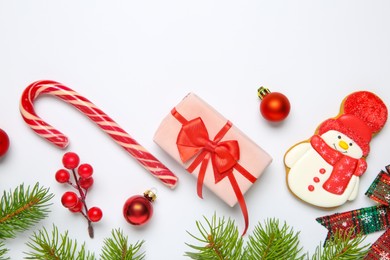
{"type": "Point", "coordinates": [212, 149]}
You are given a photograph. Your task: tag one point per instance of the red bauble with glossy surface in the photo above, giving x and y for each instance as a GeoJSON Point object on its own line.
{"type": "Point", "coordinates": [275, 107]}
{"type": "Point", "coordinates": [4, 142]}
{"type": "Point", "coordinates": [137, 210]}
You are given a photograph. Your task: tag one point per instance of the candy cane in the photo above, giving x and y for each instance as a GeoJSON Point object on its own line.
{"type": "Point", "coordinates": [146, 159]}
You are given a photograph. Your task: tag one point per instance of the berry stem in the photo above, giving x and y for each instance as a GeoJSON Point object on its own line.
{"type": "Point", "coordinates": [73, 185]}
{"type": "Point", "coordinates": [78, 185]}
{"type": "Point", "coordinates": [83, 196]}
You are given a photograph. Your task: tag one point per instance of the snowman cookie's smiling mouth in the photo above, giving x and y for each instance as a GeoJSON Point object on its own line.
{"type": "Point", "coordinates": [335, 147]}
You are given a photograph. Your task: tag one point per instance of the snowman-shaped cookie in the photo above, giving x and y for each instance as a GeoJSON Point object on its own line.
{"type": "Point", "coordinates": [324, 171]}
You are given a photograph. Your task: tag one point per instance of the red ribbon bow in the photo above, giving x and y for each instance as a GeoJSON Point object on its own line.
{"type": "Point", "coordinates": [193, 142]}
{"type": "Point", "coordinates": [193, 137]}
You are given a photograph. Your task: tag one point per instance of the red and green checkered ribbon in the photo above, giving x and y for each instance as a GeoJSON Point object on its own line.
{"type": "Point", "coordinates": [367, 220]}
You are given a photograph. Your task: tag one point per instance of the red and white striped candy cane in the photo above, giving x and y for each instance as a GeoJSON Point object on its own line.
{"type": "Point", "coordinates": [146, 159]}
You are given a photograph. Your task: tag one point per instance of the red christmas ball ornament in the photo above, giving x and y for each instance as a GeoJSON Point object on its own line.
{"type": "Point", "coordinates": [139, 209]}
{"type": "Point", "coordinates": [274, 106]}
{"type": "Point", "coordinates": [4, 142]}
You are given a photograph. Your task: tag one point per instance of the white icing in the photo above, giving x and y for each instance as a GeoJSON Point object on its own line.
{"type": "Point", "coordinates": [355, 190]}
{"type": "Point", "coordinates": [295, 153]}
{"type": "Point", "coordinates": [306, 166]}
{"type": "Point", "coordinates": [334, 138]}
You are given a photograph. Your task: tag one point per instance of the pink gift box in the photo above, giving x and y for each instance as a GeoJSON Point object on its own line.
{"type": "Point", "coordinates": [182, 135]}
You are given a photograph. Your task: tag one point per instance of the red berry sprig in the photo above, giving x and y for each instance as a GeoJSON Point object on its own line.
{"type": "Point", "coordinates": [82, 175]}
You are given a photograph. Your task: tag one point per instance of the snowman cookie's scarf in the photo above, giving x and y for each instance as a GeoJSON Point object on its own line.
{"type": "Point", "coordinates": [344, 166]}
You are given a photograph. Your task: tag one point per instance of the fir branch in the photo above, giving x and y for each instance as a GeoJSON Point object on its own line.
{"type": "Point", "coordinates": [273, 242]}
{"type": "Point", "coordinates": [220, 239]}
{"type": "Point", "coordinates": [342, 247]}
{"type": "Point", "coordinates": [3, 251]}
{"type": "Point", "coordinates": [118, 248]}
{"type": "Point", "coordinates": [55, 246]}
{"type": "Point", "coordinates": [22, 208]}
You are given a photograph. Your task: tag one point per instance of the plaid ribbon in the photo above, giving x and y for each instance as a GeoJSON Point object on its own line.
{"type": "Point", "coordinates": [367, 220]}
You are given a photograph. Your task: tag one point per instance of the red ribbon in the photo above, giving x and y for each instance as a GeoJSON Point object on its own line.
{"type": "Point", "coordinates": [367, 220]}
{"type": "Point", "coordinates": [193, 142]}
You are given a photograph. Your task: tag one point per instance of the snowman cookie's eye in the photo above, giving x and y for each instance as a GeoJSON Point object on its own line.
{"type": "Point", "coordinates": [339, 136]}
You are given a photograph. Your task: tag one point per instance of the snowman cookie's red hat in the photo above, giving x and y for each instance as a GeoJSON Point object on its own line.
{"type": "Point", "coordinates": [352, 127]}
{"type": "Point", "coordinates": [364, 114]}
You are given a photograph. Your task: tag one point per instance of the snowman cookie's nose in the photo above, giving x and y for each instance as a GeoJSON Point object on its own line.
{"type": "Point", "coordinates": [343, 145]}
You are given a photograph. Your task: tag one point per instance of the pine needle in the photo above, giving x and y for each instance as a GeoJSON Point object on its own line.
{"type": "Point", "coordinates": [52, 245]}
{"type": "Point", "coordinates": [220, 240]}
{"type": "Point", "coordinates": [342, 247]}
{"type": "Point", "coordinates": [118, 248]}
{"type": "Point", "coordinates": [273, 242]}
{"type": "Point", "coordinates": [55, 246]}
{"type": "Point", "coordinates": [22, 209]}
{"type": "Point", "coordinates": [3, 251]}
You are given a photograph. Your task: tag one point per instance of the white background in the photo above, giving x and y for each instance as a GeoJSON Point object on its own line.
{"type": "Point", "coordinates": [137, 59]}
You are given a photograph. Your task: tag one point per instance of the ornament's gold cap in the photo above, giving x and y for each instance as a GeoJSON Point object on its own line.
{"type": "Point", "coordinates": [262, 92]}
{"type": "Point", "coordinates": [150, 195]}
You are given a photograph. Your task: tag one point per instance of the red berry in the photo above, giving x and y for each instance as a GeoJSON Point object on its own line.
{"type": "Point", "coordinates": [69, 199]}
{"type": "Point", "coordinates": [95, 214]}
{"type": "Point", "coordinates": [86, 183]}
{"type": "Point", "coordinates": [78, 207]}
{"type": "Point", "coordinates": [4, 142]}
{"type": "Point", "coordinates": [85, 170]}
{"type": "Point", "coordinates": [62, 176]}
{"type": "Point", "coordinates": [70, 160]}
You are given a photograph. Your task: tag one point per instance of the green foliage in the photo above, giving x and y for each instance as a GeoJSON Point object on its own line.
{"type": "Point", "coordinates": [55, 246]}
{"type": "Point", "coordinates": [118, 248]}
{"type": "Point", "coordinates": [3, 251]}
{"type": "Point", "coordinates": [22, 208]}
{"type": "Point", "coordinates": [342, 247]}
{"type": "Point", "coordinates": [273, 242]}
{"type": "Point", "coordinates": [220, 240]}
